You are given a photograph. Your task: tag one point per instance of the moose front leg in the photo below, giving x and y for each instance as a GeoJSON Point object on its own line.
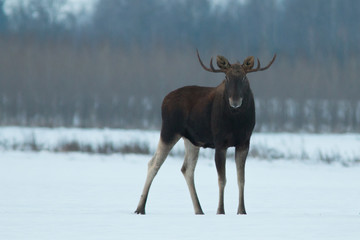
{"type": "Point", "coordinates": [240, 159]}
{"type": "Point", "coordinates": [220, 160]}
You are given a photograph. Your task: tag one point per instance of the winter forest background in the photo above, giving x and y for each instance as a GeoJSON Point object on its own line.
{"type": "Point", "coordinates": [110, 63]}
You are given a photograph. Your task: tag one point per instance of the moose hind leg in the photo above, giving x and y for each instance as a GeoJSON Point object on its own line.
{"type": "Point", "coordinates": [188, 169]}
{"type": "Point", "coordinates": [154, 165]}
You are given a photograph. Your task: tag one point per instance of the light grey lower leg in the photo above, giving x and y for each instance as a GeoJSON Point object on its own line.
{"type": "Point", "coordinates": [240, 159]}
{"type": "Point", "coordinates": [154, 165]}
{"type": "Point", "coordinates": [188, 169]}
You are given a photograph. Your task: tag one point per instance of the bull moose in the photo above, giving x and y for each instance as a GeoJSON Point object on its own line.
{"type": "Point", "coordinates": [210, 117]}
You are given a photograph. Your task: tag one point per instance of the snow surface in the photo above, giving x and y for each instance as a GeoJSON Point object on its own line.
{"type": "Point", "coordinates": [80, 196]}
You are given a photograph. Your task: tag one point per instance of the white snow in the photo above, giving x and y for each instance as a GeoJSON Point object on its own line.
{"type": "Point", "coordinates": [80, 196]}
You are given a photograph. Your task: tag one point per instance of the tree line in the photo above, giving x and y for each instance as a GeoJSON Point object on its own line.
{"type": "Point", "coordinates": [113, 66]}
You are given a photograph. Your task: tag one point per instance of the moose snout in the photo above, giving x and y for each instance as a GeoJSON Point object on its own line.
{"type": "Point", "coordinates": [235, 103]}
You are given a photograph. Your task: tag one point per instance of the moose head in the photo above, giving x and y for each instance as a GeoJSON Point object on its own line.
{"type": "Point", "coordinates": [236, 81]}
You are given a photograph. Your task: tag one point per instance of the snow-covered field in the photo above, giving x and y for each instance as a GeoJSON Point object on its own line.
{"type": "Point", "coordinates": [57, 195]}
{"type": "Point", "coordinates": [329, 148]}
{"type": "Point", "coordinates": [80, 196]}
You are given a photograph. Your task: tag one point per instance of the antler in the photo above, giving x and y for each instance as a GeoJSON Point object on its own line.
{"type": "Point", "coordinates": [258, 66]}
{"type": "Point", "coordinates": [211, 69]}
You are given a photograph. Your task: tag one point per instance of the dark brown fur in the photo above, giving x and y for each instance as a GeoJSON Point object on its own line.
{"type": "Point", "coordinates": [203, 115]}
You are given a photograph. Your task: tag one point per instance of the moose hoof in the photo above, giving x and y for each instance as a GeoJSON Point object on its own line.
{"type": "Point", "coordinates": [220, 212]}
{"type": "Point", "coordinates": [140, 211]}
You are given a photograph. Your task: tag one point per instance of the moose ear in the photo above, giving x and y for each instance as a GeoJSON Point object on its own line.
{"type": "Point", "coordinates": [248, 63]}
{"type": "Point", "coordinates": [222, 62]}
